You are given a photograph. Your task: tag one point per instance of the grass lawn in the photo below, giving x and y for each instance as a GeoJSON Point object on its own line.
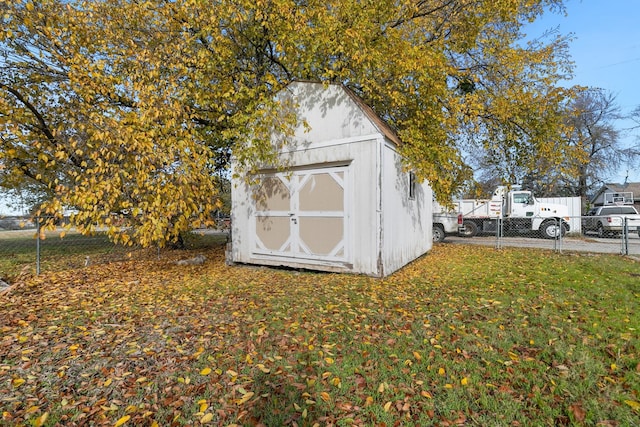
{"type": "Point", "coordinates": [464, 336]}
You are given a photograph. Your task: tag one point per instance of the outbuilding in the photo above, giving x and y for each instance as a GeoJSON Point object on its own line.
{"type": "Point", "coordinates": [344, 203]}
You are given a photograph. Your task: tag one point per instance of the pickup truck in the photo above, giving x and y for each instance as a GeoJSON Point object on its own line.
{"type": "Point", "coordinates": [445, 222]}
{"type": "Point", "coordinates": [609, 220]}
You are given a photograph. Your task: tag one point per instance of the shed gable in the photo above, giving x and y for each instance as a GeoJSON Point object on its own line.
{"type": "Point", "coordinates": [331, 113]}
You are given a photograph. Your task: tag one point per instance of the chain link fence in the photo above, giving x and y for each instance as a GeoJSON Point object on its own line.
{"type": "Point", "coordinates": [27, 248]}
{"type": "Point", "coordinates": [611, 234]}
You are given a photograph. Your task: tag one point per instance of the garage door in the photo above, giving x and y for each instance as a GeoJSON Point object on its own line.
{"type": "Point", "coordinates": [302, 214]}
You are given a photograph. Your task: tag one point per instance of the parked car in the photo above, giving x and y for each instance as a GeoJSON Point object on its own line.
{"type": "Point", "coordinates": [609, 220]}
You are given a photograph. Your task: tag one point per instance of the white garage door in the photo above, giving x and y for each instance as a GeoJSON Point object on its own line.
{"type": "Point", "coordinates": [302, 214]}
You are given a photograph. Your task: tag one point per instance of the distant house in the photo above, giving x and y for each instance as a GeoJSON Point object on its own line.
{"type": "Point", "coordinates": [345, 204]}
{"type": "Point", "coordinates": [627, 194]}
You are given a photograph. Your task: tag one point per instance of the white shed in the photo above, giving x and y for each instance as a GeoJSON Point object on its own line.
{"type": "Point", "coordinates": [344, 203]}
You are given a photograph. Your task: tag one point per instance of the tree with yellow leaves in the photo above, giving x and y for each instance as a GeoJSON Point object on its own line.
{"type": "Point", "coordinates": [126, 108]}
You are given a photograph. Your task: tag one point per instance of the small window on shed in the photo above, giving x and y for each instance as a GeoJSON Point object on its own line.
{"type": "Point", "coordinates": [412, 185]}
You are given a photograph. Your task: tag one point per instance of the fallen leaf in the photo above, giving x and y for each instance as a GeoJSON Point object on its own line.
{"type": "Point", "coordinates": [41, 420]}
{"type": "Point", "coordinates": [578, 412]}
{"type": "Point", "coordinates": [246, 398]}
{"type": "Point", "coordinates": [122, 420]}
{"type": "Point", "coordinates": [635, 405]}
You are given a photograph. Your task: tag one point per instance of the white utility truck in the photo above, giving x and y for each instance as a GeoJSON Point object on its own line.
{"type": "Point", "coordinates": [517, 210]}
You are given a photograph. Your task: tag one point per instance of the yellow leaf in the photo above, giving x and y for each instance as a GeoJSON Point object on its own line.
{"type": "Point", "coordinates": [122, 420]}
{"type": "Point", "coordinates": [41, 420]}
{"type": "Point", "coordinates": [246, 398]}
{"type": "Point", "coordinates": [108, 382]}
{"type": "Point", "coordinates": [17, 382]}
{"type": "Point", "coordinates": [417, 356]}
{"type": "Point", "coordinates": [381, 388]}
{"type": "Point", "coordinates": [426, 394]}
{"type": "Point", "coordinates": [368, 401]}
{"type": "Point", "coordinates": [205, 371]}
{"type": "Point", "coordinates": [441, 371]}
{"type": "Point", "coordinates": [635, 405]}
{"type": "Point", "coordinates": [448, 386]}
{"type": "Point", "coordinates": [387, 406]}
{"type": "Point", "coordinates": [325, 396]}
{"type": "Point", "coordinates": [207, 418]}
{"type": "Point", "coordinates": [464, 381]}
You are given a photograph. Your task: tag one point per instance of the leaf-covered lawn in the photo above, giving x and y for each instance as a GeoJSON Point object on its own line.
{"type": "Point", "coordinates": [463, 336]}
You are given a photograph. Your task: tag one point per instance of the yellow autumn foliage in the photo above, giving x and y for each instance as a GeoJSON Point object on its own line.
{"type": "Point", "coordinates": [126, 111]}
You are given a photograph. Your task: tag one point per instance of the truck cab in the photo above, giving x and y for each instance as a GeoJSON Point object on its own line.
{"type": "Point", "coordinates": [519, 204]}
{"type": "Point", "coordinates": [522, 212]}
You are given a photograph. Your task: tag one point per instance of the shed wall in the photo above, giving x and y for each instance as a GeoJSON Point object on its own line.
{"type": "Point", "coordinates": [407, 221]}
{"type": "Point", "coordinates": [361, 211]}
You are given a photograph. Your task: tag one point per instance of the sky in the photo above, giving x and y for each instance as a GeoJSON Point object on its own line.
{"type": "Point", "coordinates": [606, 53]}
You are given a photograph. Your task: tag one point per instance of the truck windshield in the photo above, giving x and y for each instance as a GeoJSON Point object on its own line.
{"type": "Point", "coordinates": [524, 198]}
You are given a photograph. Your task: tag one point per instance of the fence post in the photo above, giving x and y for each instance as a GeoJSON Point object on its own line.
{"type": "Point", "coordinates": [499, 230]}
{"type": "Point", "coordinates": [559, 235]}
{"type": "Point", "coordinates": [37, 246]}
{"type": "Point", "coordinates": [625, 236]}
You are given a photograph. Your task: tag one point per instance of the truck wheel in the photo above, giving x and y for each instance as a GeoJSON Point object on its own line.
{"type": "Point", "coordinates": [551, 230]}
{"type": "Point", "coordinates": [470, 229]}
{"type": "Point", "coordinates": [438, 233]}
{"type": "Point", "coordinates": [601, 232]}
